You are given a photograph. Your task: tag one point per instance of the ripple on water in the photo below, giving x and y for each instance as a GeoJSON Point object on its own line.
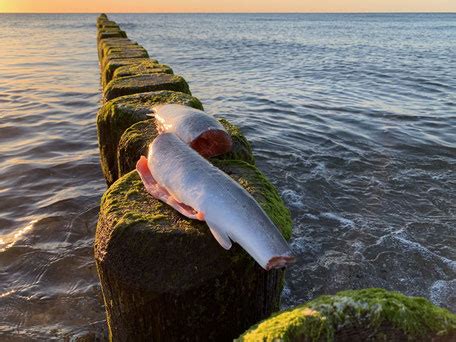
{"type": "Point", "coordinates": [353, 123]}
{"type": "Point", "coordinates": [50, 180]}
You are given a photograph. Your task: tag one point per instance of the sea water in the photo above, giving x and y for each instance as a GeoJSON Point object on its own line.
{"type": "Point", "coordinates": [351, 116]}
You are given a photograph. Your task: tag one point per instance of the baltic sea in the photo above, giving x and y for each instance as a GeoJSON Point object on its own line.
{"type": "Point", "coordinates": [352, 117]}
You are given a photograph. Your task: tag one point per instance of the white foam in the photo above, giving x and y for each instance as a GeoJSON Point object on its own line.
{"type": "Point", "coordinates": [344, 222]}
{"type": "Point", "coordinates": [302, 245]}
{"type": "Point", "coordinates": [412, 245]}
{"type": "Point", "coordinates": [312, 217]}
{"type": "Point", "coordinates": [443, 291]}
{"type": "Point", "coordinates": [292, 198]}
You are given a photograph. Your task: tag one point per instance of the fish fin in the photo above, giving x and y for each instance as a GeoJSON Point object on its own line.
{"type": "Point", "coordinates": [184, 209]}
{"type": "Point", "coordinates": [222, 238]}
{"type": "Point", "coordinates": [161, 193]}
{"type": "Point", "coordinates": [148, 180]}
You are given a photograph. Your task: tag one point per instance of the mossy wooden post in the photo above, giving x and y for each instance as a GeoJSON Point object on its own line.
{"type": "Point", "coordinates": [164, 277]}
{"type": "Point", "coordinates": [358, 315]}
{"type": "Point", "coordinates": [117, 115]}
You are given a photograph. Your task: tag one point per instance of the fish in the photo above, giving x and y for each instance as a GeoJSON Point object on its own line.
{"type": "Point", "coordinates": [194, 127]}
{"type": "Point", "coordinates": [177, 175]}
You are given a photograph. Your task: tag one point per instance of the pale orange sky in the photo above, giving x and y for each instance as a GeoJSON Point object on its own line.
{"type": "Point", "coordinates": [137, 6]}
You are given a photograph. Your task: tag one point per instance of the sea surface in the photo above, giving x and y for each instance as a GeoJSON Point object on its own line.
{"type": "Point", "coordinates": [352, 117]}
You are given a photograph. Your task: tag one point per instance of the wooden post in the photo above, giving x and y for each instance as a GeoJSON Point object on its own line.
{"type": "Point", "coordinates": [164, 277]}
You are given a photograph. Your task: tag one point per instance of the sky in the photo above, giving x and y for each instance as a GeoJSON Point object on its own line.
{"type": "Point", "coordinates": [138, 6]}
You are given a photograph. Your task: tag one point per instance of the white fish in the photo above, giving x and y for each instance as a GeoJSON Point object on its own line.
{"type": "Point", "coordinates": [194, 127]}
{"type": "Point", "coordinates": [178, 176]}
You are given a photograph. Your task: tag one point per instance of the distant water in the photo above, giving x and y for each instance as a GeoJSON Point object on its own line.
{"type": "Point", "coordinates": [353, 117]}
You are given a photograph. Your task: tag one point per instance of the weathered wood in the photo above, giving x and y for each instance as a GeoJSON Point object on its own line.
{"type": "Point", "coordinates": [142, 68]}
{"type": "Point", "coordinates": [145, 83]}
{"type": "Point", "coordinates": [165, 278]}
{"type": "Point", "coordinates": [109, 67]}
{"type": "Point", "coordinates": [115, 116]}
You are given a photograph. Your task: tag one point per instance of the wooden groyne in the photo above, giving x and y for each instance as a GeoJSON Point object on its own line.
{"type": "Point", "coordinates": [164, 277]}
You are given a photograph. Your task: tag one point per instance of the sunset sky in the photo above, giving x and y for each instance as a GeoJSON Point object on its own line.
{"type": "Point", "coordinates": [112, 6]}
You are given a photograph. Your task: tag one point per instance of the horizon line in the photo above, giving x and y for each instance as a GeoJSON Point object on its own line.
{"type": "Point", "coordinates": [360, 12]}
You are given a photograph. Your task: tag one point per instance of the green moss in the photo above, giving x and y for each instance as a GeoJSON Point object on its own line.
{"type": "Point", "coordinates": [115, 116]}
{"type": "Point", "coordinates": [108, 23]}
{"type": "Point", "coordinates": [242, 150]}
{"type": "Point", "coordinates": [134, 224]}
{"type": "Point", "coordinates": [111, 34]}
{"type": "Point", "coordinates": [115, 43]}
{"type": "Point", "coordinates": [109, 67]}
{"type": "Point", "coordinates": [100, 23]}
{"type": "Point", "coordinates": [124, 47]}
{"type": "Point", "coordinates": [145, 83]}
{"type": "Point", "coordinates": [380, 313]}
{"type": "Point", "coordinates": [113, 49]}
{"type": "Point", "coordinates": [120, 51]}
{"type": "Point", "coordinates": [302, 324]}
{"type": "Point", "coordinates": [142, 68]}
{"type": "Point", "coordinates": [151, 260]}
{"type": "Point", "coordinates": [136, 52]}
{"type": "Point", "coordinates": [104, 22]}
{"type": "Point", "coordinates": [108, 28]}
{"type": "Point", "coordinates": [135, 142]}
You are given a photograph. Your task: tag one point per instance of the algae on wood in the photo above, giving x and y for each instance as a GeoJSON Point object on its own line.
{"type": "Point", "coordinates": [125, 54]}
{"type": "Point", "coordinates": [106, 44]}
{"type": "Point", "coordinates": [109, 67]}
{"type": "Point", "coordinates": [118, 43]}
{"type": "Point", "coordinates": [111, 34]}
{"type": "Point", "coordinates": [142, 68]}
{"type": "Point", "coordinates": [164, 277]}
{"type": "Point", "coordinates": [145, 83]}
{"type": "Point", "coordinates": [358, 315]}
{"type": "Point", "coordinates": [111, 50]}
{"type": "Point", "coordinates": [115, 116]}
{"type": "Point", "coordinates": [106, 23]}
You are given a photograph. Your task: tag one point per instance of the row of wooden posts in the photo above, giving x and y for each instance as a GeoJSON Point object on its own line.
{"type": "Point", "coordinates": [165, 278]}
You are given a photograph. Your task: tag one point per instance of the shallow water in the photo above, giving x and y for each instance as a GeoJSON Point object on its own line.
{"type": "Point", "coordinates": [351, 116]}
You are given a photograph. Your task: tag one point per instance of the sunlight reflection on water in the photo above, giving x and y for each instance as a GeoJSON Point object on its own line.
{"type": "Point", "coordinates": [8, 240]}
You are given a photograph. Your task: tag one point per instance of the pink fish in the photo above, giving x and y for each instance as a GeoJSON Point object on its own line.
{"type": "Point", "coordinates": [180, 177]}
